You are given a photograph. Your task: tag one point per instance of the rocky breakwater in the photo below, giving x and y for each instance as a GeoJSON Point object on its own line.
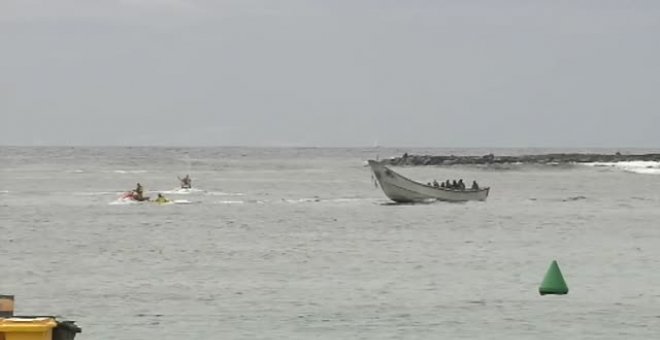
{"type": "Point", "coordinates": [543, 159]}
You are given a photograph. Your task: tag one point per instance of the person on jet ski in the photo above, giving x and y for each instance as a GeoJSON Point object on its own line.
{"type": "Point", "coordinates": [138, 192]}
{"type": "Point", "coordinates": [186, 182]}
{"type": "Point", "coordinates": [161, 199]}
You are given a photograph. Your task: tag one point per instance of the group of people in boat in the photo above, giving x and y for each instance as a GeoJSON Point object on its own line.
{"type": "Point", "coordinates": [454, 185]}
{"type": "Point", "coordinates": [138, 193]}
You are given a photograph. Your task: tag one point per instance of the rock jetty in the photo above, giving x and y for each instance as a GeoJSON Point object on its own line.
{"type": "Point", "coordinates": [544, 159]}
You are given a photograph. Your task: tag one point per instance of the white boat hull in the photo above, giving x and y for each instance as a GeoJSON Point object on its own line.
{"type": "Point", "coordinates": [401, 189]}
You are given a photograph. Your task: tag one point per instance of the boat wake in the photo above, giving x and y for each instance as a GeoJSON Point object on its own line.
{"type": "Point", "coordinates": [121, 201]}
{"type": "Point", "coordinates": [124, 201]}
{"type": "Point", "coordinates": [95, 193]}
{"type": "Point", "coordinates": [422, 202]}
{"type": "Point", "coordinates": [638, 167]}
{"type": "Point", "coordinates": [181, 191]}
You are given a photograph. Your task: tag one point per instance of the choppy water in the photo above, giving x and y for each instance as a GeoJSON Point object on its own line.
{"type": "Point", "coordinates": [299, 244]}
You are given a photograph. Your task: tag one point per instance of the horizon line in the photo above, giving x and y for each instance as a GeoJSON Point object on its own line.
{"type": "Point", "coordinates": [317, 146]}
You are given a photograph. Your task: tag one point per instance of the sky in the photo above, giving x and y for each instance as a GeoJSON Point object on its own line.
{"type": "Point", "coordinates": [417, 73]}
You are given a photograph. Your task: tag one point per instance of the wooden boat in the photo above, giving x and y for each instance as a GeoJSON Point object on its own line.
{"type": "Point", "coordinates": [401, 189]}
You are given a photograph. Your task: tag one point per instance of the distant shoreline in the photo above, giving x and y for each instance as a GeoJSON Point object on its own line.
{"type": "Point", "coordinates": [549, 159]}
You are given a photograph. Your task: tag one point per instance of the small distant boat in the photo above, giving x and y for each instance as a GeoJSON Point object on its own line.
{"type": "Point", "coordinates": [401, 189]}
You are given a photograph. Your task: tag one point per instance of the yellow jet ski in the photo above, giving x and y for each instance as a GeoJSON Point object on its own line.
{"type": "Point", "coordinates": [162, 200]}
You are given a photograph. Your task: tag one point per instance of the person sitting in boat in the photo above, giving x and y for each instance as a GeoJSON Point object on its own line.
{"type": "Point", "coordinates": [448, 184]}
{"type": "Point", "coordinates": [435, 184]}
{"type": "Point", "coordinates": [454, 184]}
{"type": "Point", "coordinates": [186, 182]}
{"type": "Point", "coordinates": [475, 186]}
{"type": "Point", "coordinates": [442, 185]}
{"type": "Point", "coordinates": [461, 185]}
{"type": "Point", "coordinates": [161, 199]}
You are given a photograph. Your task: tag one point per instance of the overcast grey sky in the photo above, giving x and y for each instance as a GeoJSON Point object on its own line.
{"type": "Point", "coordinates": [330, 73]}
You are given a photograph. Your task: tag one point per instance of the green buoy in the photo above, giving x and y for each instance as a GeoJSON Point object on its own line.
{"type": "Point", "coordinates": [553, 282]}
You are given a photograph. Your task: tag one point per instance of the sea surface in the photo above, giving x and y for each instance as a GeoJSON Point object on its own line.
{"type": "Point", "coordinates": [299, 244]}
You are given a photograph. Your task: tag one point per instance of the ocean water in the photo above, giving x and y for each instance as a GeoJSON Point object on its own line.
{"type": "Point", "coordinates": [300, 244]}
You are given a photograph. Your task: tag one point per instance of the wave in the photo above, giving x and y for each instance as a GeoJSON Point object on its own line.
{"type": "Point", "coordinates": [182, 202]}
{"type": "Point", "coordinates": [638, 167]}
{"type": "Point", "coordinates": [293, 201]}
{"type": "Point", "coordinates": [328, 200]}
{"type": "Point", "coordinates": [4, 191]}
{"type": "Point", "coordinates": [566, 199]}
{"type": "Point", "coordinates": [130, 171]}
{"type": "Point", "coordinates": [302, 200]}
{"type": "Point", "coordinates": [180, 191]}
{"type": "Point", "coordinates": [170, 202]}
{"type": "Point", "coordinates": [229, 202]}
{"type": "Point", "coordinates": [347, 200]}
{"type": "Point", "coordinates": [220, 193]}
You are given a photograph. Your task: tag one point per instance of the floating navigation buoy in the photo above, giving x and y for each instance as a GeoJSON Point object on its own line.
{"type": "Point", "coordinates": [553, 282]}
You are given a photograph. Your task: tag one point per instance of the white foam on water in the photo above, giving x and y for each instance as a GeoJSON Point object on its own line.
{"type": "Point", "coordinates": [220, 193]}
{"type": "Point", "coordinates": [130, 171]}
{"type": "Point", "coordinates": [638, 167]}
{"type": "Point", "coordinates": [347, 200]}
{"type": "Point", "coordinates": [302, 200]}
{"type": "Point", "coordinates": [181, 191]}
{"type": "Point", "coordinates": [182, 201]}
{"type": "Point", "coordinates": [95, 193]}
{"type": "Point", "coordinates": [645, 171]}
{"type": "Point", "coordinates": [123, 202]}
{"type": "Point", "coordinates": [256, 201]}
{"type": "Point", "coordinates": [230, 202]}
{"type": "Point", "coordinates": [4, 191]}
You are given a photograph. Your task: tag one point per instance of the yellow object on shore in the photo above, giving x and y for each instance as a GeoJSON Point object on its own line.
{"type": "Point", "coordinates": [27, 328]}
